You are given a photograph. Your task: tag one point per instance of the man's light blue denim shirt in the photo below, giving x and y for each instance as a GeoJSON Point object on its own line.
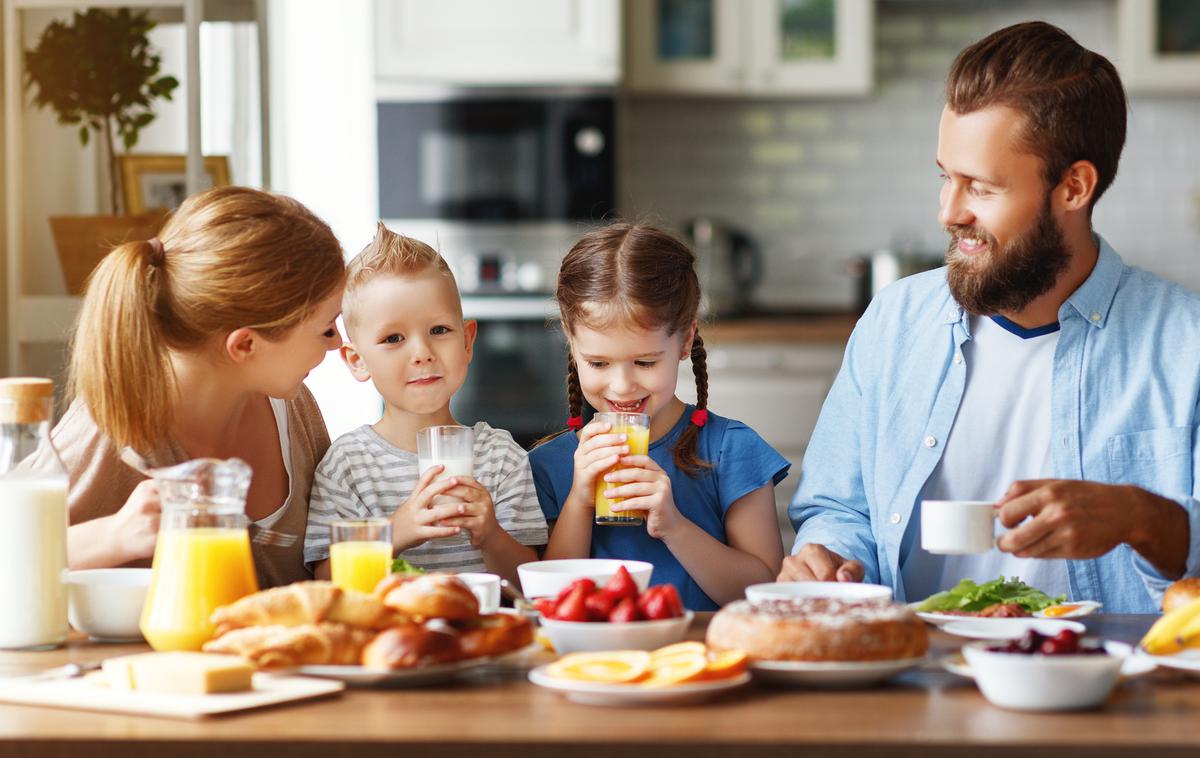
{"type": "Point", "coordinates": [1125, 390]}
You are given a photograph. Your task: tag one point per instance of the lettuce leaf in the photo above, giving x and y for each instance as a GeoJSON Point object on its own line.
{"type": "Point", "coordinates": [969, 596]}
{"type": "Point", "coordinates": [401, 566]}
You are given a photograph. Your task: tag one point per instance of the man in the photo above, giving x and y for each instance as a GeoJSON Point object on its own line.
{"type": "Point", "coordinates": [1035, 370]}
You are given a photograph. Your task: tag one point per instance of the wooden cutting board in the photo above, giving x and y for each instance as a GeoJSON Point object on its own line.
{"type": "Point", "coordinates": [87, 693]}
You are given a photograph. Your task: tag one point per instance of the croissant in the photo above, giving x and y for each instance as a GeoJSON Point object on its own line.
{"type": "Point", "coordinates": [442, 596]}
{"type": "Point", "coordinates": [305, 603]}
{"type": "Point", "coordinates": [411, 646]}
{"type": "Point", "coordinates": [279, 647]}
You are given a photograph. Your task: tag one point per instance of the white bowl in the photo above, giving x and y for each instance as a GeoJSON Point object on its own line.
{"type": "Point", "coordinates": [486, 588]}
{"type": "Point", "coordinates": [837, 590]}
{"type": "Point", "coordinates": [106, 604]}
{"type": "Point", "coordinates": [585, 636]}
{"type": "Point", "coordinates": [1045, 682]}
{"type": "Point", "coordinates": [547, 578]}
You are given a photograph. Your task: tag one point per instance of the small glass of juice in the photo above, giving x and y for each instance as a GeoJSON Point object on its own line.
{"type": "Point", "coordinates": [360, 552]}
{"type": "Point", "coordinates": [636, 427]}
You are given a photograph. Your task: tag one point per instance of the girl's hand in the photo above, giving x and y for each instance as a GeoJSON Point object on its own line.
{"type": "Point", "coordinates": [646, 487]}
{"type": "Point", "coordinates": [136, 524]}
{"type": "Point", "coordinates": [416, 520]}
{"type": "Point", "coordinates": [478, 513]}
{"type": "Point", "coordinates": [597, 452]}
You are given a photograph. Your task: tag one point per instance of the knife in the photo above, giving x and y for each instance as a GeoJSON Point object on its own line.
{"type": "Point", "coordinates": [68, 671]}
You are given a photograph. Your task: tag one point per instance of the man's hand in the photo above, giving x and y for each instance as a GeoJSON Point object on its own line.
{"type": "Point", "coordinates": [1057, 518]}
{"type": "Point", "coordinates": [817, 563]}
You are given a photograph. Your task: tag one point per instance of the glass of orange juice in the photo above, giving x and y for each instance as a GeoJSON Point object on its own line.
{"type": "Point", "coordinates": [636, 427]}
{"type": "Point", "coordinates": [360, 552]}
{"type": "Point", "coordinates": [202, 558]}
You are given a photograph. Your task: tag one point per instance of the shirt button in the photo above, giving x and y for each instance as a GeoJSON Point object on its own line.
{"type": "Point", "coordinates": [958, 357]}
{"type": "Point", "coordinates": [895, 518]}
{"type": "Point", "coordinates": [930, 441]}
{"type": "Point", "coordinates": [1095, 316]}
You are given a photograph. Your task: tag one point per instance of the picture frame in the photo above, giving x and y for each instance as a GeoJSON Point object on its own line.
{"type": "Point", "coordinates": [1158, 46]}
{"type": "Point", "coordinates": [159, 181]}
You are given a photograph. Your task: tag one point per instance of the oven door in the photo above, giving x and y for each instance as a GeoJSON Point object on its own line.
{"type": "Point", "coordinates": [497, 158]}
{"type": "Point", "coordinates": [517, 377]}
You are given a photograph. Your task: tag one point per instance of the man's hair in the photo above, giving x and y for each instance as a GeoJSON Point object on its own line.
{"type": "Point", "coordinates": [1072, 98]}
{"type": "Point", "coordinates": [394, 254]}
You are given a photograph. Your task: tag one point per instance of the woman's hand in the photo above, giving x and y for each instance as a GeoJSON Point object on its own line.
{"type": "Point", "coordinates": [478, 513]}
{"type": "Point", "coordinates": [597, 452]}
{"type": "Point", "coordinates": [417, 519]}
{"type": "Point", "coordinates": [135, 526]}
{"type": "Point", "coordinates": [645, 487]}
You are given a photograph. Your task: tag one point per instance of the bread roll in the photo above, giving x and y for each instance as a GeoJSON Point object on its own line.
{"type": "Point", "coordinates": [1181, 593]}
{"type": "Point", "coordinates": [411, 645]}
{"type": "Point", "coordinates": [279, 647]}
{"type": "Point", "coordinates": [442, 596]}
{"type": "Point", "coordinates": [818, 629]}
{"type": "Point", "coordinates": [494, 634]}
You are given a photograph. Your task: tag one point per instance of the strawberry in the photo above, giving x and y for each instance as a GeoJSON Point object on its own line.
{"type": "Point", "coordinates": [584, 582]}
{"type": "Point", "coordinates": [599, 604]}
{"type": "Point", "coordinates": [625, 611]}
{"type": "Point", "coordinates": [546, 606]}
{"type": "Point", "coordinates": [573, 607]}
{"type": "Point", "coordinates": [671, 597]}
{"type": "Point", "coordinates": [661, 602]}
{"type": "Point", "coordinates": [621, 585]}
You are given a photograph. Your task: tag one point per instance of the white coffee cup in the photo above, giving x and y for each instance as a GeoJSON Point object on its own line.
{"type": "Point", "coordinates": [486, 588]}
{"type": "Point", "coordinates": [957, 527]}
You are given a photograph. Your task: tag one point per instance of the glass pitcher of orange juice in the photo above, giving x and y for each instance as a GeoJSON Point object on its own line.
{"type": "Point", "coordinates": [636, 428]}
{"type": "Point", "coordinates": [202, 558]}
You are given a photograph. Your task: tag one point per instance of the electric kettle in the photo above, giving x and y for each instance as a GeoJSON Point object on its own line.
{"type": "Point", "coordinates": [729, 264]}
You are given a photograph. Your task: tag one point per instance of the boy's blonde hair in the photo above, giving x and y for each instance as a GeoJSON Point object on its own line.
{"type": "Point", "coordinates": [390, 253]}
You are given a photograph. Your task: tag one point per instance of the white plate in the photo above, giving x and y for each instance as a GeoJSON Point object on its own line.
{"type": "Point", "coordinates": [363, 676]}
{"type": "Point", "coordinates": [1086, 608]}
{"type": "Point", "coordinates": [596, 693]}
{"type": "Point", "coordinates": [1187, 660]}
{"type": "Point", "coordinates": [1133, 665]}
{"type": "Point", "coordinates": [1009, 629]}
{"type": "Point", "coordinates": [938, 619]}
{"type": "Point", "coordinates": [833, 674]}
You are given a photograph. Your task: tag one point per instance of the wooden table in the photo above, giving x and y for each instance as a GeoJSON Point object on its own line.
{"type": "Point", "coordinates": [926, 712]}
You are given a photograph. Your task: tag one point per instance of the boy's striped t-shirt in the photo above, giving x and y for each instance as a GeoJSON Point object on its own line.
{"type": "Point", "coordinates": [363, 475]}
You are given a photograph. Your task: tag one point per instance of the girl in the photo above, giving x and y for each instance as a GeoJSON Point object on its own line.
{"type": "Point", "coordinates": [629, 299]}
{"type": "Point", "coordinates": [195, 344]}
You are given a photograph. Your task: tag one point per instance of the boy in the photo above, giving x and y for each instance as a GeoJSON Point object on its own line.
{"type": "Point", "coordinates": [407, 335]}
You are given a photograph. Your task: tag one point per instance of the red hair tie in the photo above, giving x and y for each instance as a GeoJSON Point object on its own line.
{"type": "Point", "coordinates": [700, 417]}
{"type": "Point", "coordinates": [575, 422]}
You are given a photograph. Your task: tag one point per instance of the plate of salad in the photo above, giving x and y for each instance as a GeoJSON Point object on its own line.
{"type": "Point", "coordinates": [999, 598]}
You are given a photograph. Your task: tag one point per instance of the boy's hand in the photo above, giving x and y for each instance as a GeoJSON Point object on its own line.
{"type": "Point", "coordinates": [477, 511]}
{"type": "Point", "coordinates": [597, 452]}
{"type": "Point", "coordinates": [416, 520]}
{"type": "Point", "coordinates": [645, 487]}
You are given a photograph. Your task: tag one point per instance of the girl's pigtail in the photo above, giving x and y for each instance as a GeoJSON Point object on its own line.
{"type": "Point", "coordinates": [684, 451]}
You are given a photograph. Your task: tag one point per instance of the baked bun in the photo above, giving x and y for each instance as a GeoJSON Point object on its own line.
{"type": "Point", "coordinates": [818, 629]}
{"type": "Point", "coordinates": [494, 634]}
{"type": "Point", "coordinates": [412, 645]}
{"type": "Point", "coordinates": [1181, 593]}
{"type": "Point", "coordinates": [442, 596]}
{"type": "Point", "coordinates": [280, 647]}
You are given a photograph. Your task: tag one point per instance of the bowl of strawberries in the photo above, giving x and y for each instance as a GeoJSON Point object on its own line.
{"type": "Point", "coordinates": [616, 616]}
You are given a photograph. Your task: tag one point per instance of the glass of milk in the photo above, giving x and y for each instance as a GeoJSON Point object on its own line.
{"type": "Point", "coordinates": [452, 447]}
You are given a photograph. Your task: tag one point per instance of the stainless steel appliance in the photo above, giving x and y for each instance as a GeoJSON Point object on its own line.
{"type": "Point", "coordinates": [730, 265]}
{"type": "Point", "coordinates": [876, 270]}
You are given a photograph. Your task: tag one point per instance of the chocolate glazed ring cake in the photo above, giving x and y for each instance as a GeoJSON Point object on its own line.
{"type": "Point", "coordinates": [818, 629]}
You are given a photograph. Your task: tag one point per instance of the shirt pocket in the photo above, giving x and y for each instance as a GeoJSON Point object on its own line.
{"type": "Point", "coordinates": [1159, 460]}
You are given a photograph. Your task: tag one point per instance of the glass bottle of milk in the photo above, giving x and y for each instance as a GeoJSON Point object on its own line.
{"type": "Point", "coordinates": [33, 499]}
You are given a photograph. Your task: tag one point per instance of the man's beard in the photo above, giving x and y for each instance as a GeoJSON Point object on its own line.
{"type": "Point", "coordinates": [1009, 279]}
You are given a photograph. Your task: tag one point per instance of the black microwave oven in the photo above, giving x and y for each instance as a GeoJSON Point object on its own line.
{"type": "Point", "coordinates": [497, 157]}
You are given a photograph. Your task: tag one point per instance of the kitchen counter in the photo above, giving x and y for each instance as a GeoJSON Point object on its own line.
{"type": "Point", "coordinates": [799, 328]}
{"type": "Point", "coordinates": [921, 713]}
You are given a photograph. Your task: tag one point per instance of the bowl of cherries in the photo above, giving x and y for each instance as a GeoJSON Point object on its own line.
{"type": "Point", "coordinates": [1039, 672]}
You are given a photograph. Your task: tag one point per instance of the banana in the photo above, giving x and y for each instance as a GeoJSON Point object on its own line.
{"type": "Point", "coordinates": [1178, 629]}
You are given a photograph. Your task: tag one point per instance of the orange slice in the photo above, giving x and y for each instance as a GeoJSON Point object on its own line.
{"type": "Point", "coordinates": [676, 669]}
{"type": "Point", "coordinates": [726, 664]}
{"type": "Point", "coordinates": [691, 647]}
{"type": "Point", "coordinates": [608, 667]}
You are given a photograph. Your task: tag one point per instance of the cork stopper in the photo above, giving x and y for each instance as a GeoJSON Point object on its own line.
{"type": "Point", "coordinates": [25, 400]}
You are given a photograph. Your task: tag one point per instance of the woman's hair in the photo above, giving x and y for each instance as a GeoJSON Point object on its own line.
{"type": "Point", "coordinates": [640, 275]}
{"type": "Point", "coordinates": [228, 258]}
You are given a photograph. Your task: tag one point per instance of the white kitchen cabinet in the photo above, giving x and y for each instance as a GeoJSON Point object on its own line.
{"type": "Point", "coordinates": [489, 43]}
{"type": "Point", "coordinates": [750, 47]}
{"type": "Point", "coordinates": [775, 388]}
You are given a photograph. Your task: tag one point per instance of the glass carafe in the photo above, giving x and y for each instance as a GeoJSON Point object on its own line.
{"type": "Point", "coordinates": [33, 499]}
{"type": "Point", "coordinates": [202, 558]}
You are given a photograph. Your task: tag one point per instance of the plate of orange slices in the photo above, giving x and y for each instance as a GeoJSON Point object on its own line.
{"type": "Point", "coordinates": [685, 672]}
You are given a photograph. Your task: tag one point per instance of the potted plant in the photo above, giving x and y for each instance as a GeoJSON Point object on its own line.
{"type": "Point", "coordinates": [99, 72]}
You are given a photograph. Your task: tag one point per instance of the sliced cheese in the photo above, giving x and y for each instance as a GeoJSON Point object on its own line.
{"type": "Point", "coordinates": [183, 673]}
